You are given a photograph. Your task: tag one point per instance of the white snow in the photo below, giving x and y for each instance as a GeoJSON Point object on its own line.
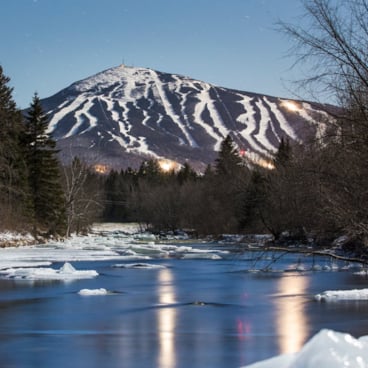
{"type": "Point", "coordinates": [120, 242]}
{"type": "Point", "coordinates": [319, 123]}
{"type": "Point", "coordinates": [264, 124]}
{"type": "Point", "coordinates": [122, 87]}
{"type": "Point", "coordinates": [144, 266]}
{"type": "Point", "coordinates": [170, 111]}
{"type": "Point", "coordinates": [201, 256]}
{"type": "Point", "coordinates": [66, 272]}
{"type": "Point", "coordinates": [89, 292]}
{"type": "Point", "coordinates": [80, 115]}
{"type": "Point", "coordinates": [326, 349]}
{"type": "Point", "coordinates": [218, 131]}
{"type": "Point", "coordinates": [336, 295]}
{"type": "Point", "coordinates": [285, 126]}
{"type": "Point", "coordinates": [248, 119]}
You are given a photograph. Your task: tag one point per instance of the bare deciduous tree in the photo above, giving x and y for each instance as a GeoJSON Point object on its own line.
{"type": "Point", "coordinates": [331, 42]}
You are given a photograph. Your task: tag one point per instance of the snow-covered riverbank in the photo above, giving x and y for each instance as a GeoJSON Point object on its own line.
{"type": "Point", "coordinates": [325, 350]}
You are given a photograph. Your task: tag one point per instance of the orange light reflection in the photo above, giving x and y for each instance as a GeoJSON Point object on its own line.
{"type": "Point", "coordinates": [291, 319]}
{"type": "Point", "coordinates": [166, 319]}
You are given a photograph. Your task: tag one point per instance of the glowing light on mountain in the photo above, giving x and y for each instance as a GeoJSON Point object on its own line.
{"type": "Point", "coordinates": [100, 168]}
{"type": "Point", "coordinates": [291, 105]}
{"type": "Point", "coordinates": [167, 165]}
{"type": "Point", "coordinates": [267, 164]}
{"type": "Point", "coordinates": [242, 152]}
{"type": "Point", "coordinates": [256, 159]}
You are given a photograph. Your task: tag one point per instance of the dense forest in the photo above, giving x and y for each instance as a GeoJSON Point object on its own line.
{"type": "Point", "coordinates": [313, 191]}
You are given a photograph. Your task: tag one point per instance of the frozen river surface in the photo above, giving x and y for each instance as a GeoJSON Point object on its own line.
{"type": "Point", "coordinates": [164, 306]}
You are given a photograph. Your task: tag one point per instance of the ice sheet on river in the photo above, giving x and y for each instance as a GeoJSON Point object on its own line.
{"type": "Point", "coordinates": [144, 266]}
{"type": "Point", "coordinates": [325, 350]}
{"type": "Point", "coordinates": [96, 247]}
{"type": "Point", "coordinates": [66, 272]}
{"type": "Point", "coordinates": [336, 295]}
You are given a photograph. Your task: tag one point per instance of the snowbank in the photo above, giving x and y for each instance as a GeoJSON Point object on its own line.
{"type": "Point", "coordinates": [92, 292]}
{"type": "Point", "coordinates": [127, 228]}
{"type": "Point", "coordinates": [12, 239]}
{"type": "Point", "coordinates": [325, 350]}
{"type": "Point", "coordinates": [66, 272]}
{"type": "Point", "coordinates": [336, 295]}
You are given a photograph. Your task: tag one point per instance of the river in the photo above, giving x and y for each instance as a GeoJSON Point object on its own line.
{"type": "Point", "coordinates": [171, 312]}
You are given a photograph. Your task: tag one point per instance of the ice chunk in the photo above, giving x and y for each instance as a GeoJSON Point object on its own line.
{"type": "Point", "coordinates": [326, 349]}
{"type": "Point", "coordinates": [139, 265]}
{"type": "Point", "coordinates": [67, 268]}
{"type": "Point", "coordinates": [281, 361]}
{"type": "Point", "coordinates": [201, 256]}
{"type": "Point", "coordinates": [88, 292]}
{"type": "Point", "coordinates": [66, 272]}
{"type": "Point", "coordinates": [335, 295]}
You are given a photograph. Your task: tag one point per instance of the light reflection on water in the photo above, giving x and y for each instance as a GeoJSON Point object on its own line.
{"type": "Point", "coordinates": [166, 319]}
{"type": "Point", "coordinates": [291, 317]}
{"type": "Point", "coordinates": [153, 320]}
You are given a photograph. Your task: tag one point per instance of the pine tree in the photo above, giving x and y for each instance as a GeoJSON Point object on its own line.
{"type": "Point", "coordinates": [44, 176]}
{"type": "Point", "coordinates": [283, 154]}
{"type": "Point", "coordinates": [13, 183]}
{"type": "Point", "coordinates": [228, 162]}
{"type": "Point", "coordinates": [186, 173]}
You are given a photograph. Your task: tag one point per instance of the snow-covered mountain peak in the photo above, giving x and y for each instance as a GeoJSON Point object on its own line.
{"type": "Point", "coordinates": [125, 114]}
{"type": "Point", "coordinates": [117, 75]}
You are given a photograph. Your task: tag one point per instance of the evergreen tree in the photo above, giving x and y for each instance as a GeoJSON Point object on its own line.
{"type": "Point", "coordinates": [228, 162]}
{"type": "Point", "coordinates": [44, 175]}
{"type": "Point", "coordinates": [251, 213]}
{"type": "Point", "coordinates": [151, 171]}
{"type": "Point", "coordinates": [186, 173]}
{"type": "Point", "coordinates": [13, 183]}
{"type": "Point", "coordinates": [283, 154]}
{"type": "Point", "coordinates": [226, 188]}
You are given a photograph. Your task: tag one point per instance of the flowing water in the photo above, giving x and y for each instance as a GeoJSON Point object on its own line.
{"type": "Point", "coordinates": [188, 313]}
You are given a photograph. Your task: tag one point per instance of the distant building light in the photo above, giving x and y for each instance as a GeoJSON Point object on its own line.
{"type": "Point", "coordinates": [101, 168]}
{"type": "Point", "coordinates": [291, 105]}
{"type": "Point", "coordinates": [167, 165]}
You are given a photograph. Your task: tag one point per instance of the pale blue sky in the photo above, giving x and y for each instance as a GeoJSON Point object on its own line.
{"type": "Point", "coordinates": [45, 45]}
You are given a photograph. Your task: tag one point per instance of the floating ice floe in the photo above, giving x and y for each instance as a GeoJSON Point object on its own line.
{"type": "Point", "coordinates": [201, 256]}
{"type": "Point", "coordinates": [92, 292]}
{"type": "Point", "coordinates": [139, 266]}
{"type": "Point", "coordinates": [66, 272]}
{"type": "Point", "coordinates": [18, 264]}
{"type": "Point", "coordinates": [326, 349]}
{"type": "Point", "coordinates": [361, 273]}
{"type": "Point", "coordinates": [336, 295]}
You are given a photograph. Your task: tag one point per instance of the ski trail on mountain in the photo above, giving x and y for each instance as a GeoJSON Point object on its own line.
{"type": "Point", "coordinates": [149, 112]}
{"type": "Point", "coordinates": [248, 119]}
{"type": "Point", "coordinates": [183, 104]}
{"type": "Point", "coordinates": [169, 109]}
{"type": "Point", "coordinates": [83, 116]}
{"type": "Point", "coordinates": [217, 131]}
{"type": "Point", "coordinates": [284, 125]}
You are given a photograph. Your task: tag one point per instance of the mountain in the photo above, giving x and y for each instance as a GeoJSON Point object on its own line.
{"type": "Point", "coordinates": [123, 115]}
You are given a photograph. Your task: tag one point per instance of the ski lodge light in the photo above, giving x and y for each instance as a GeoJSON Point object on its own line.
{"type": "Point", "coordinates": [167, 165]}
{"type": "Point", "coordinates": [100, 168]}
{"type": "Point", "coordinates": [291, 105]}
